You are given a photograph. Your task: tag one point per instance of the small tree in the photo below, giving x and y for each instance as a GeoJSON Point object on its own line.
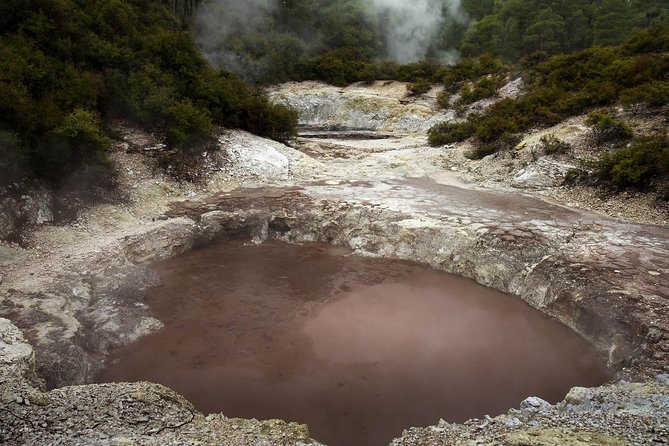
{"type": "Point", "coordinates": [552, 145]}
{"type": "Point", "coordinates": [421, 86]}
{"type": "Point", "coordinates": [637, 165]}
{"type": "Point", "coordinates": [83, 138]}
{"type": "Point", "coordinates": [608, 128]}
{"type": "Point", "coordinates": [188, 125]}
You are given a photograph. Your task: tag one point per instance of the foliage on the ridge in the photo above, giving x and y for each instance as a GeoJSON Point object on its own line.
{"type": "Point", "coordinates": [566, 85]}
{"type": "Point", "coordinates": [341, 42]}
{"type": "Point", "coordinates": [511, 29]}
{"type": "Point", "coordinates": [561, 86]}
{"type": "Point", "coordinates": [70, 66]}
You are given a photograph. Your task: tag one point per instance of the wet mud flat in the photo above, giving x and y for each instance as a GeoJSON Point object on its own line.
{"type": "Point", "coordinates": [356, 348]}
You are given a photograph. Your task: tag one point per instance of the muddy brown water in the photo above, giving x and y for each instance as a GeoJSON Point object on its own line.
{"type": "Point", "coordinates": [358, 349]}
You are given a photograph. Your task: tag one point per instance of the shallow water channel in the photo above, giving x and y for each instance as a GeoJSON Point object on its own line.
{"type": "Point", "coordinates": [356, 348]}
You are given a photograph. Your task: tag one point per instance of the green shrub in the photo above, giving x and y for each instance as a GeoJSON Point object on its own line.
{"type": "Point", "coordinates": [654, 93]}
{"type": "Point", "coordinates": [481, 149]}
{"type": "Point", "coordinates": [82, 128]}
{"type": "Point", "coordinates": [470, 69]}
{"type": "Point", "coordinates": [608, 128]}
{"type": "Point", "coordinates": [418, 71]}
{"type": "Point", "coordinates": [558, 87]}
{"type": "Point", "coordinates": [483, 88]}
{"type": "Point", "coordinates": [188, 126]}
{"type": "Point", "coordinates": [447, 132]}
{"type": "Point", "coordinates": [637, 165]}
{"type": "Point", "coordinates": [633, 97]}
{"type": "Point", "coordinates": [419, 87]}
{"type": "Point", "coordinates": [574, 176]}
{"type": "Point", "coordinates": [655, 39]}
{"type": "Point", "coordinates": [444, 99]}
{"type": "Point", "coordinates": [550, 145]}
{"type": "Point", "coordinates": [78, 141]}
{"type": "Point", "coordinates": [491, 128]}
{"type": "Point", "coordinates": [263, 118]}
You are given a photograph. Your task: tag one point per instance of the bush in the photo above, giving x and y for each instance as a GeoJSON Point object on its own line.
{"type": "Point", "coordinates": [470, 69]}
{"type": "Point", "coordinates": [78, 141]}
{"type": "Point", "coordinates": [270, 120]}
{"type": "Point", "coordinates": [636, 165]}
{"type": "Point", "coordinates": [633, 97]}
{"type": "Point", "coordinates": [494, 127]}
{"type": "Point", "coordinates": [505, 141]}
{"type": "Point", "coordinates": [574, 176]}
{"type": "Point", "coordinates": [188, 126]}
{"type": "Point", "coordinates": [607, 128]}
{"type": "Point", "coordinates": [654, 93]}
{"type": "Point", "coordinates": [444, 99]}
{"type": "Point", "coordinates": [550, 145]}
{"type": "Point", "coordinates": [419, 87]}
{"type": "Point", "coordinates": [483, 88]}
{"type": "Point", "coordinates": [655, 39]}
{"type": "Point", "coordinates": [447, 133]}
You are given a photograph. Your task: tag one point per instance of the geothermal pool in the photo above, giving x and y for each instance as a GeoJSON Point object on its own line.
{"type": "Point", "coordinates": [359, 349]}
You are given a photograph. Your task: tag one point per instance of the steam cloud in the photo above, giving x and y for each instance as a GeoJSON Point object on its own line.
{"type": "Point", "coordinates": [409, 28]}
{"type": "Point", "coordinates": [217, 20]}
{"type": "Point", "coordinates": [412, 26]}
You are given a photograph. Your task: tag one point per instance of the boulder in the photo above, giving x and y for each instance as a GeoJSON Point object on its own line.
{"type": "Point", "coordinates": [249, 156]}
{"type": "Point", "coordinates": [543, 174]}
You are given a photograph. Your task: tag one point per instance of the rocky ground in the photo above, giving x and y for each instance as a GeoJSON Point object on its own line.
{"type": "Point", "coordinates": [599, 265]}
{"type": "Point", "coordinates": [525, 170]}
{"type": "Point", "coordinates": [621, 414]}
{"type": "Point", "coordinates": [115, 414]}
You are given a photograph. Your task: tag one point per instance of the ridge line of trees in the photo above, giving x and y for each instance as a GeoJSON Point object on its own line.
{"type": "Point", "coordinates": [340, 42]}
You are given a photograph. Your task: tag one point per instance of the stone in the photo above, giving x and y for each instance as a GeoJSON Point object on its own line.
{"type": "Point", "coordinates": [512, 88]}
{"type": "Point", "coordinates": [512, 422]}
{"type": "Point", "coordinates": [122, 441]}
{"type": "Point", "coordinates": [34, 207]}
{"type": "Point", "coordinates": [250, 156]}
{"type": "Point", "coordinates": [543, 174]}
{"type": "Point", "coordinates": [534, 403]}
{"type": "Point", "coordinates": [577, 396]}
{"type": "Point", "coordinates": [663, 379]}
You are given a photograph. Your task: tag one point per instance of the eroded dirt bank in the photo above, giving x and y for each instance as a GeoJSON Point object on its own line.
{"type": "Point", "coordinates": [76, 292]}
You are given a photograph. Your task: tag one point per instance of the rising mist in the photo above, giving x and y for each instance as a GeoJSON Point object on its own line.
{"type": "Point", "coordinates": [243, 35]}
{"type": "Point", "coordinates": [217, 20]}
{"type": "Point", "coordinates": [411, 28]}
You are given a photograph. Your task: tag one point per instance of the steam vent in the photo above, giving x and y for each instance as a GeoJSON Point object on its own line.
{"type": "Point", "coordinates": [351, 223]}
